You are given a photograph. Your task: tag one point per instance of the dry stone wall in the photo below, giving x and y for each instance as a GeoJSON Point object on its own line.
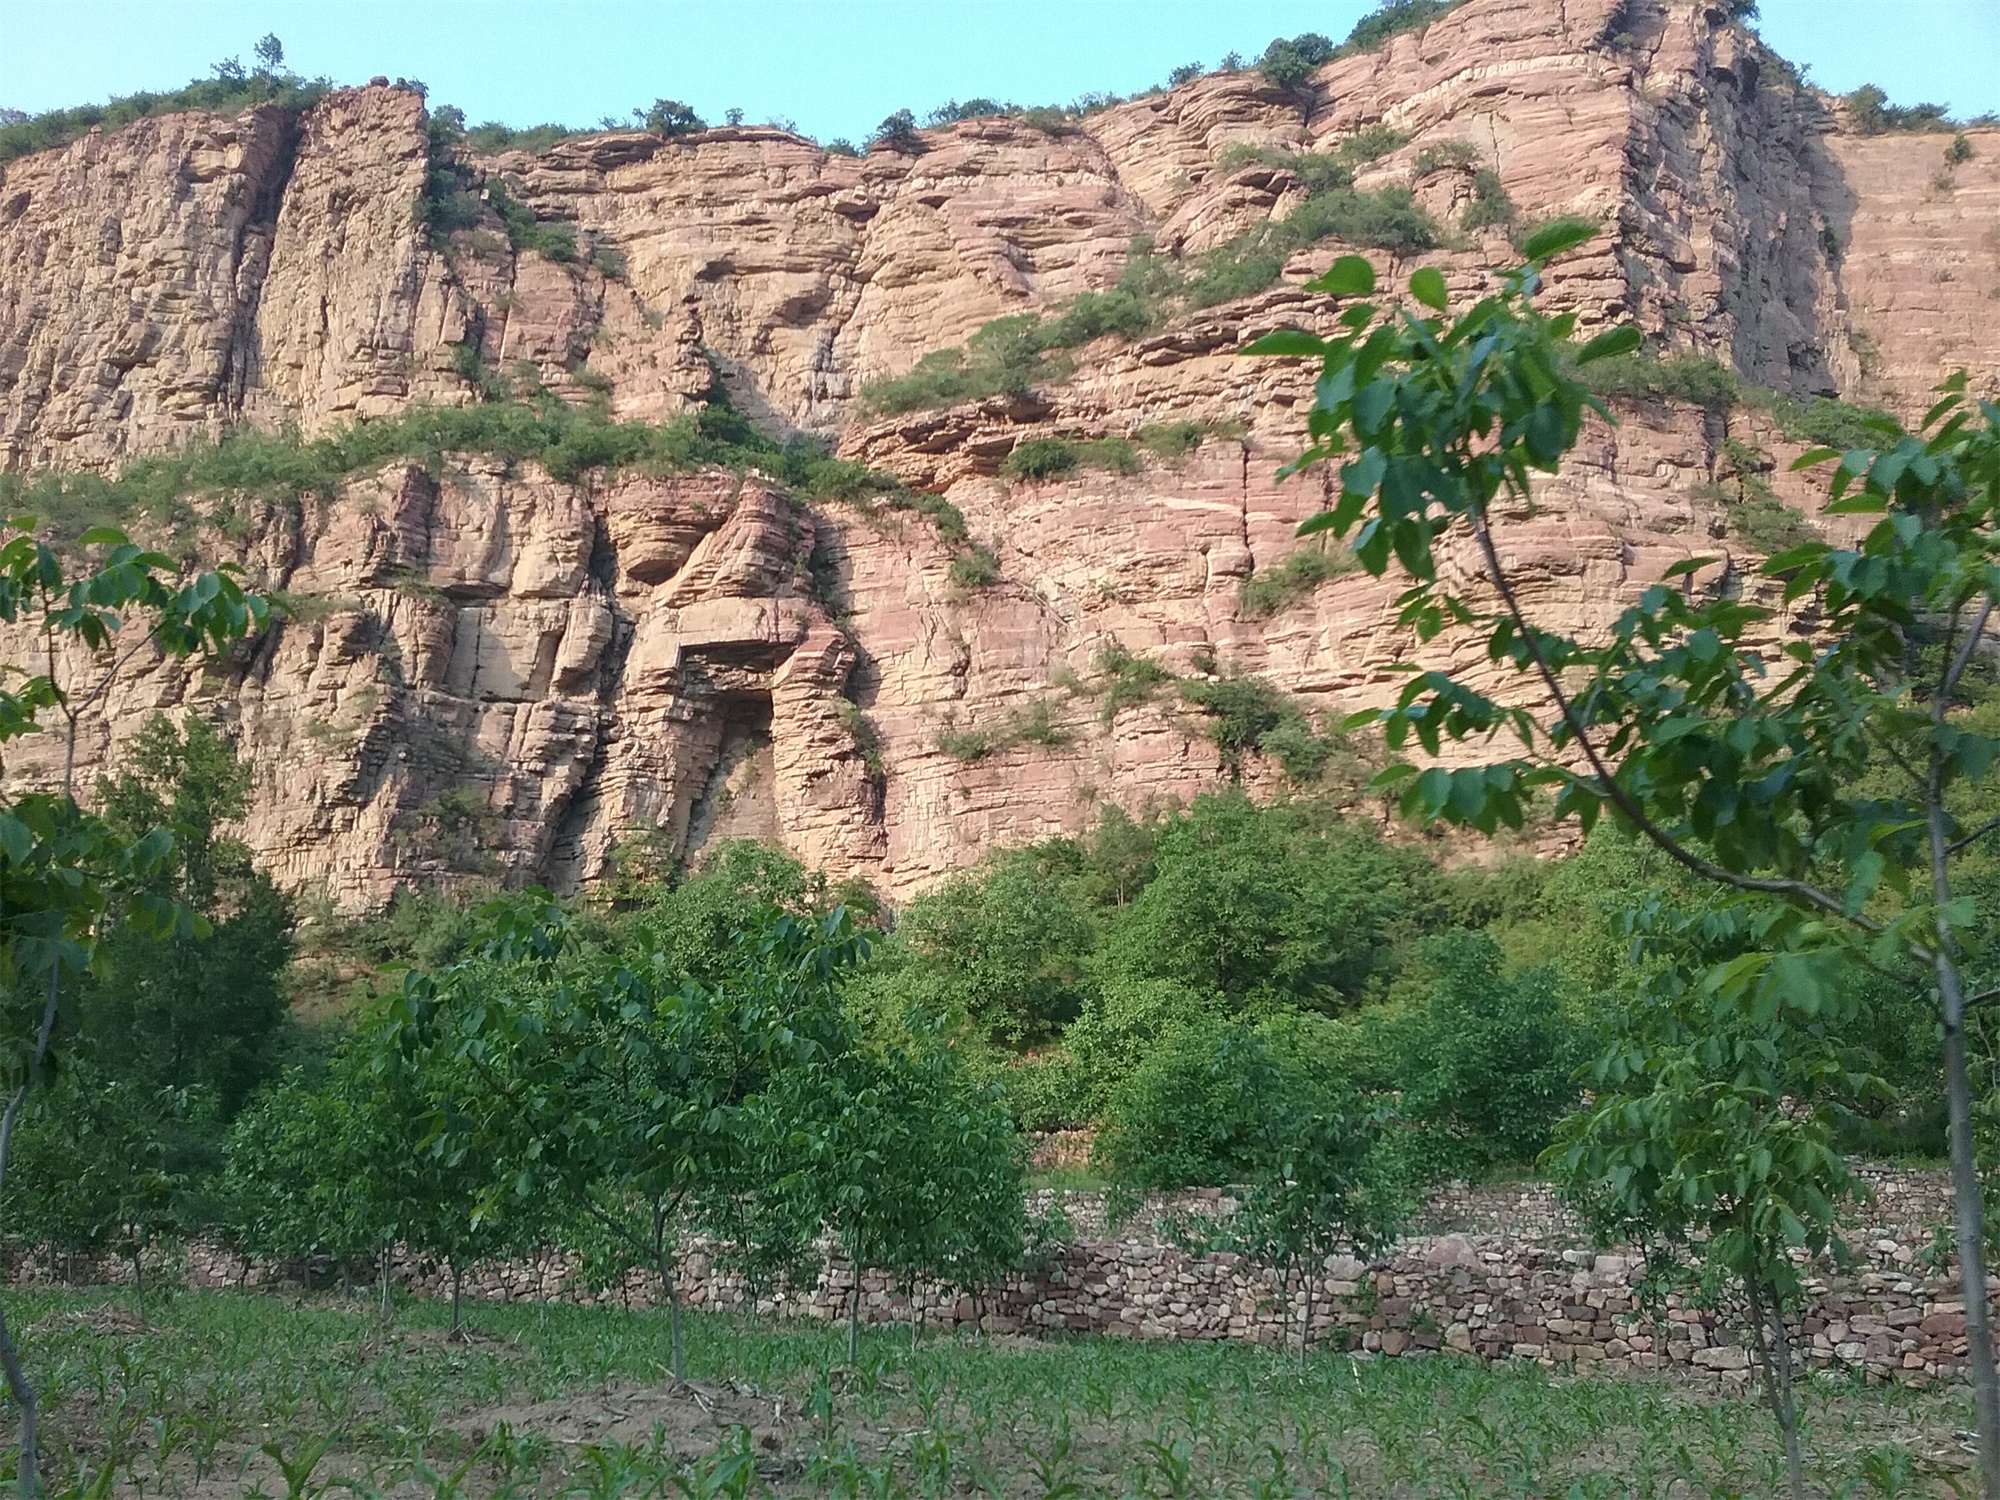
{"type": "Point", "coordinates": [1499, 1273]}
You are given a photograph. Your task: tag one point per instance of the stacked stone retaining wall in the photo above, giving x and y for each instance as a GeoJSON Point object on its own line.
{"type": "Point", "coordinates": [1499, 1272]}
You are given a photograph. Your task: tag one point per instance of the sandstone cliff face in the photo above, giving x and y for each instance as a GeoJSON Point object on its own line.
{"type": "Point", "coordinates": [497, 674]}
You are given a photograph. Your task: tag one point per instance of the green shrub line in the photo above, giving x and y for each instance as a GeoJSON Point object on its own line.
{"type": "Point", "coordinates": [1705, 381]}
{"type": "Point", "coordinates": [1048, 458]}
{"type": "Point", "coordinates": [249, 465]}
{"type": "Point", "coordinates": [232, 90]}
{"type": "Point", "coordinates": [1870, 113]}
{"type": "Point", "coordinates": [1013, 354]}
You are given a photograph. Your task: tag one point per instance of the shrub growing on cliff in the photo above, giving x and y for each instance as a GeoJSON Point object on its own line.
{"type": "Point", "coordinates": [1293, 581]}
{"type": "Point", "coordinates": [1490, 203]}
{"type": "Point", "coordinates": [1392, 18]}
{"type": "Point", "coordinates": [671, 118]}
{"type": "Point", "coordinates": [1870, 113]}
{"type": "Point", "coordinates": [1290, 62]}
{"type": "Point", "coordinates": [1049, 458]}
{"type": "Point", "coordinates": [898, 132]}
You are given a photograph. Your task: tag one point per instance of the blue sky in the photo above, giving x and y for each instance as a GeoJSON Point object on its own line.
{"type": "Point", "coordinates": [835, 67]}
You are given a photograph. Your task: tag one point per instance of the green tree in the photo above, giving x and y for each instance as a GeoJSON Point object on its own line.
{"type": "Point", "coordinates": [1290, 62]}
{"type": "Point", "coordinates": [898, 132]}
{"type": "Point", "coordinates": [90, 1171]}
{"type": "Point", "coordinates": [1269, 906]}
{"type": "Point", "coordinates": [1486, 1057]}
{"type": "Point", "coordinates": [1322, 1181]}
{"type": "Point", "coordinates": [1004, 948]}
{"type": "Point", "coordinates": [1714, 1136]}
{"type": "Point", "coordinates": [1740, 757]}
{"type": "Point", "coordinates": [1309, 1159]}
{"type": "Point", "coordinates": [1189, 1115]}
{"type": "Point", "coordinates": [915, 1168]}
{"type": "Point", "coordinates": [620, 1089]}
{"type": "Point", "coordinates": [191, 1011]}
{"type": "Point", "coordinates": [66, 878]}
{"type": "Point", "coordinates": [671, 118]}
{"type": "Point", "coordinates": [287, 1191]}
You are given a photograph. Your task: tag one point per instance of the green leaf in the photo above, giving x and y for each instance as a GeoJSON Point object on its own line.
{"type": "Point", "coordinates": [1690, 565]}
{"type": "Point", "coordinates": [103, 536]}
{"type": "Point", "coordinates": [1545, 434]}
{"type": "Point", "coordinates": [1350, 276]}
{"type": "Point", "coordinates": [1553, 239]}
{"type": "Point", "coordinates": [1372, 404]}
{"type": "Point", "coordinates": [1364, 475]}
{"type": "Point", "coordinates": [1286, 341]}
{"type": "Point", "coordinates": [1611, 342]}
{"type": "Point", "coordinates": [1427, 286]}
{"type": "Point", "coordinates": [1813, 457]}
{"type": "Point", "coordinates": [1318, 521]}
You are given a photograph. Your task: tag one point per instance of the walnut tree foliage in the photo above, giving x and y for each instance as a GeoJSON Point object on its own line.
{"type": "Point", "coordinates": [1745, 752]}
{"type": "Point", "coordinates": [70, 879]}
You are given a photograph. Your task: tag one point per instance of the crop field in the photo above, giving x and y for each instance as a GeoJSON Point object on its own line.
{"type": "Point", "coordinates": [234, 1394]}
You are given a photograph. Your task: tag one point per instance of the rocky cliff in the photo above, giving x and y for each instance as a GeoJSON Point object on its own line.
{"type": "Point", "coordinates": [495, 672]}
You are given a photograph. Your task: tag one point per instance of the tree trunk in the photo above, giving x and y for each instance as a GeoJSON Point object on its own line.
{"type": "Point", "coordinates": [24, 1397]}
{"type": "Point", "coordinates": [1306, 1328]}
{"type": "Point", "coordinates": [674, 1316]}
{"type": "Point", "coordinates": [1774, 1349]}
{"type": "Point", "coordinates": [854, 1321]}
{"type": "Point", "coordinates": [139, 1280]}
{"type": "Point", "coordinates": [1970, 1216]}
{"type": "Point", "coordinates": [451, 1262]}
{"type": "Point", "coordinates": [382, 1265]}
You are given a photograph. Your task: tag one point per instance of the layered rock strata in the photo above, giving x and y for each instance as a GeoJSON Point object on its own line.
{"type": "Point", "coordinates": [493, 673]}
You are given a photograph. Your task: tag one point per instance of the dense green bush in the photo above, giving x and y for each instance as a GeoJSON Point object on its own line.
{"type": "Point", "coordinates": [1290, 62]}
{"type": "Point", "coordinates": [1046, 458]}
{"type": "Point", "coordinates": [1490, 204]}
{"type": "Point", "coordinates": [1870, 113]}
{"type": "Point", "coordinates": [1486, 1058]}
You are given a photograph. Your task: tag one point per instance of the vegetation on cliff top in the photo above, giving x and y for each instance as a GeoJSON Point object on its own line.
{"type": "Point", "coordinates": [230, 89]}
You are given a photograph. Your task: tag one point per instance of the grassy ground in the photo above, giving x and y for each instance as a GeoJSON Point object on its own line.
{"type": "Point", "coordinates": [227, 1394]}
